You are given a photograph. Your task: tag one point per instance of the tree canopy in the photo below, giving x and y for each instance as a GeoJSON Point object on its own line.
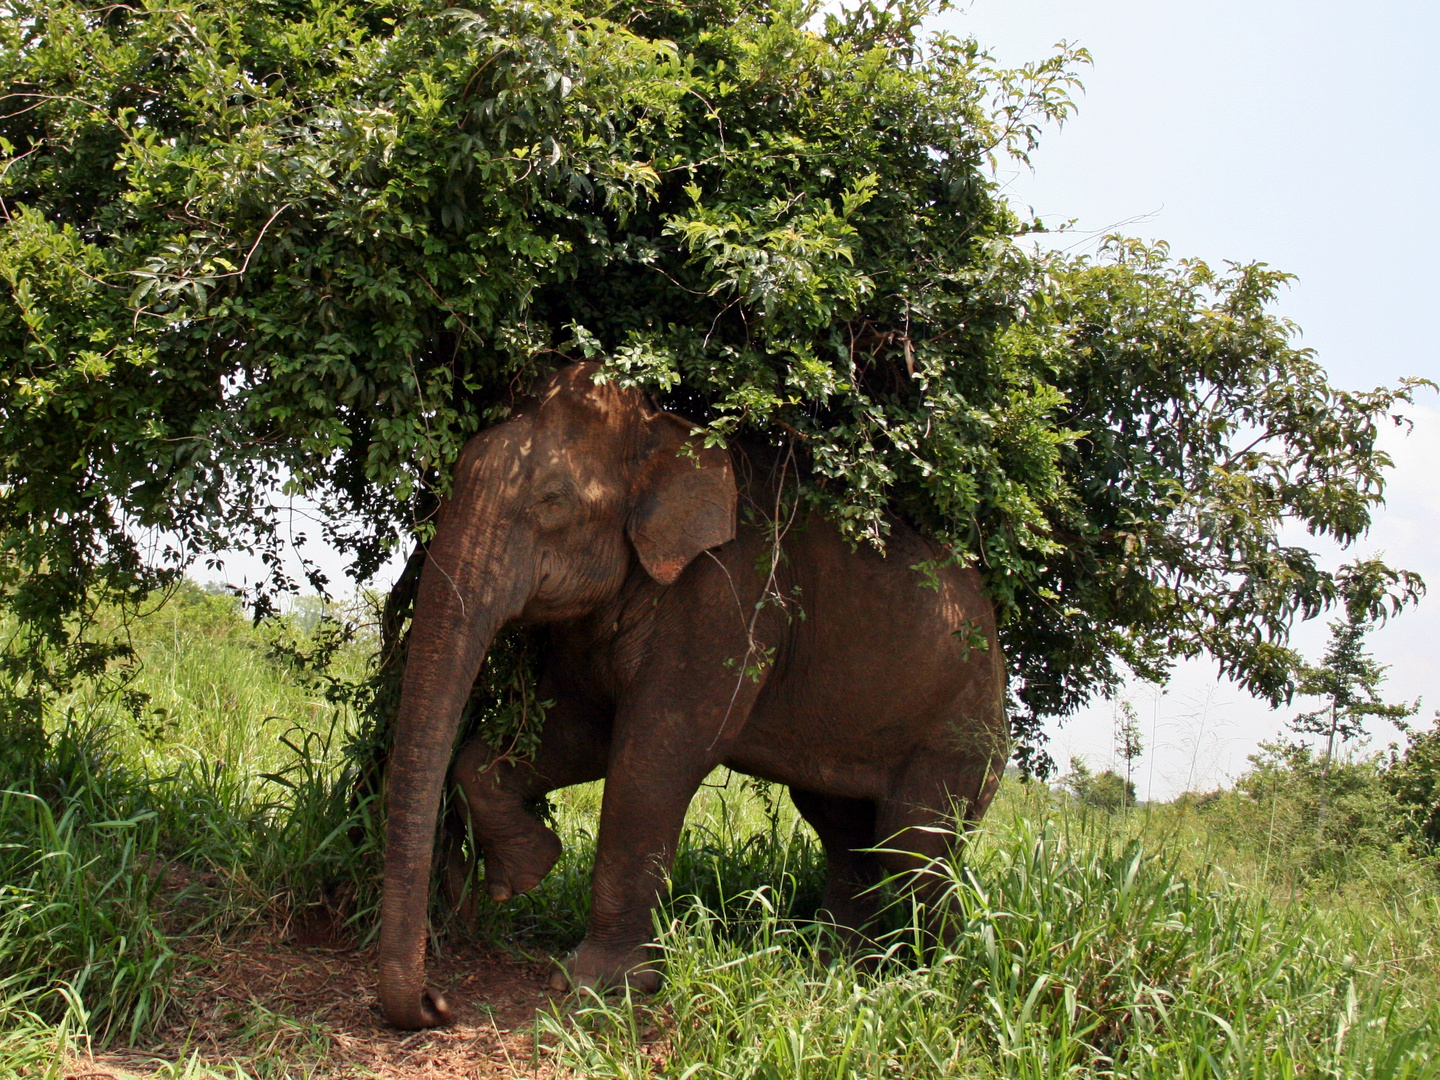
{"type": "Point", "coordinates": [263, 249]}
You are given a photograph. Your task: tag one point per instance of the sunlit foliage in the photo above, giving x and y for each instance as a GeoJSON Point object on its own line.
{"type": "Point", "coordinates": [265, 248]}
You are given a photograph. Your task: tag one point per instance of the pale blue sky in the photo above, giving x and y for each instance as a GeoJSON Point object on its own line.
{"type": "Point", "coordinates": [1302, 134]}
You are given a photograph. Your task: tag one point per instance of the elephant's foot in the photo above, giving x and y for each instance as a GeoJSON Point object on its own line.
{"type": "Point", "coordinates": [519, 863]}
{"type": "Point", "coordinates": [598, 968]}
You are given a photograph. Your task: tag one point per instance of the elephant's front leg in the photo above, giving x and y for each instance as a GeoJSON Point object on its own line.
{"type": "Point", "coordinates": [664, 746]}
{"type": "Point", "coordinates": [519, 850]}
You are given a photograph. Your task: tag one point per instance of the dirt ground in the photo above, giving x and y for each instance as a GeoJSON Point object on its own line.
{"type": "Point", "coordinates": [305, 1007]}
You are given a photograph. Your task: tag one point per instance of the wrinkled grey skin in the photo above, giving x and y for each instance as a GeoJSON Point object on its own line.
{"type": "Point", "coordinates": [863, 683]}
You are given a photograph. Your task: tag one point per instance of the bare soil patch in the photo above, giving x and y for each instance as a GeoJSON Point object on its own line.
{"type": "Point", "coordinates": [304, 1006]}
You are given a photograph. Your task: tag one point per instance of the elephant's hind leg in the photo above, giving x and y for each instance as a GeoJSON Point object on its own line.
{"type": "Point", "coordinates": [923, 820]}
{"type": "Point", "coordinates": [517, 849]}
{"type": "Point", "coordinates": [846, 828]}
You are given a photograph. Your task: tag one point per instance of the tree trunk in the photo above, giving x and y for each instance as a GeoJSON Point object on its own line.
{"type": "Point", "coordinates": [1325, 775]}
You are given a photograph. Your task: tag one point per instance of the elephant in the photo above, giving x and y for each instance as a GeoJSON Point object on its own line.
{"type": "Point", "coordinates": [870, 683]}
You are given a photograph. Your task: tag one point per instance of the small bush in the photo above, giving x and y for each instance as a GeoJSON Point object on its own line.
{"type": "Point", "coordinates": [1106, 790]}
{"type": "Point", "coordinates": [1413, 779]}
{"type": "Point", "coordinates": [1304, 824]}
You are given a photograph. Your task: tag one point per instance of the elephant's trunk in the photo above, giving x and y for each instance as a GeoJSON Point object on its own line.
{"type": "Point", "coordinates": [447, 646]}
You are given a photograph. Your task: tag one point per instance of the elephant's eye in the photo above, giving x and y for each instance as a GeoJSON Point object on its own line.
{"type": "Point", "coordinates": [551, 501]}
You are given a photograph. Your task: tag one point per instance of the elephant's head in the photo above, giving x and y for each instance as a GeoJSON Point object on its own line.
{"type": "Point", "coordinates": [548, 514]}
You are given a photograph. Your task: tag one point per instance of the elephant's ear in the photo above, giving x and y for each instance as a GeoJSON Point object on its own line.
{"type": "Point", "coordinates": [685, 498]}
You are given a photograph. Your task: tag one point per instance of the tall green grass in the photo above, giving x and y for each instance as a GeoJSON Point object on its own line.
{"type": "Point", "coordinates": [227, 803]}
{"type": "Point", "coordinates": [79, 933]}
{"type": "Point", "coordinates": [738, 838]}
{"type": "Point", "coordinates": [1218, 937]}
{"type": "Point", "coordinates": [1066, 953]}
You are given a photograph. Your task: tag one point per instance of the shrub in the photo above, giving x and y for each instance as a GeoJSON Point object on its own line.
{"type": "Point", "coordinates": [1302, 824]}
{"type": "Point", "coordinates": [1413, 779]}
{"type": "Point", "coordinates": [1106, 790]}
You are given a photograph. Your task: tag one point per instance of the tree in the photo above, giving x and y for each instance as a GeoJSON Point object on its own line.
{"type": "Point", "coordinates": [264, 249]}
{"type": "Point", "coordinates": [1414, 780]}
{"type": "Point", "coordinates": [1347, 679]}
{"type": "Point", "coordinates": [1127, 740]}
{"type": "Point", "coordinates": [1106, 790]}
